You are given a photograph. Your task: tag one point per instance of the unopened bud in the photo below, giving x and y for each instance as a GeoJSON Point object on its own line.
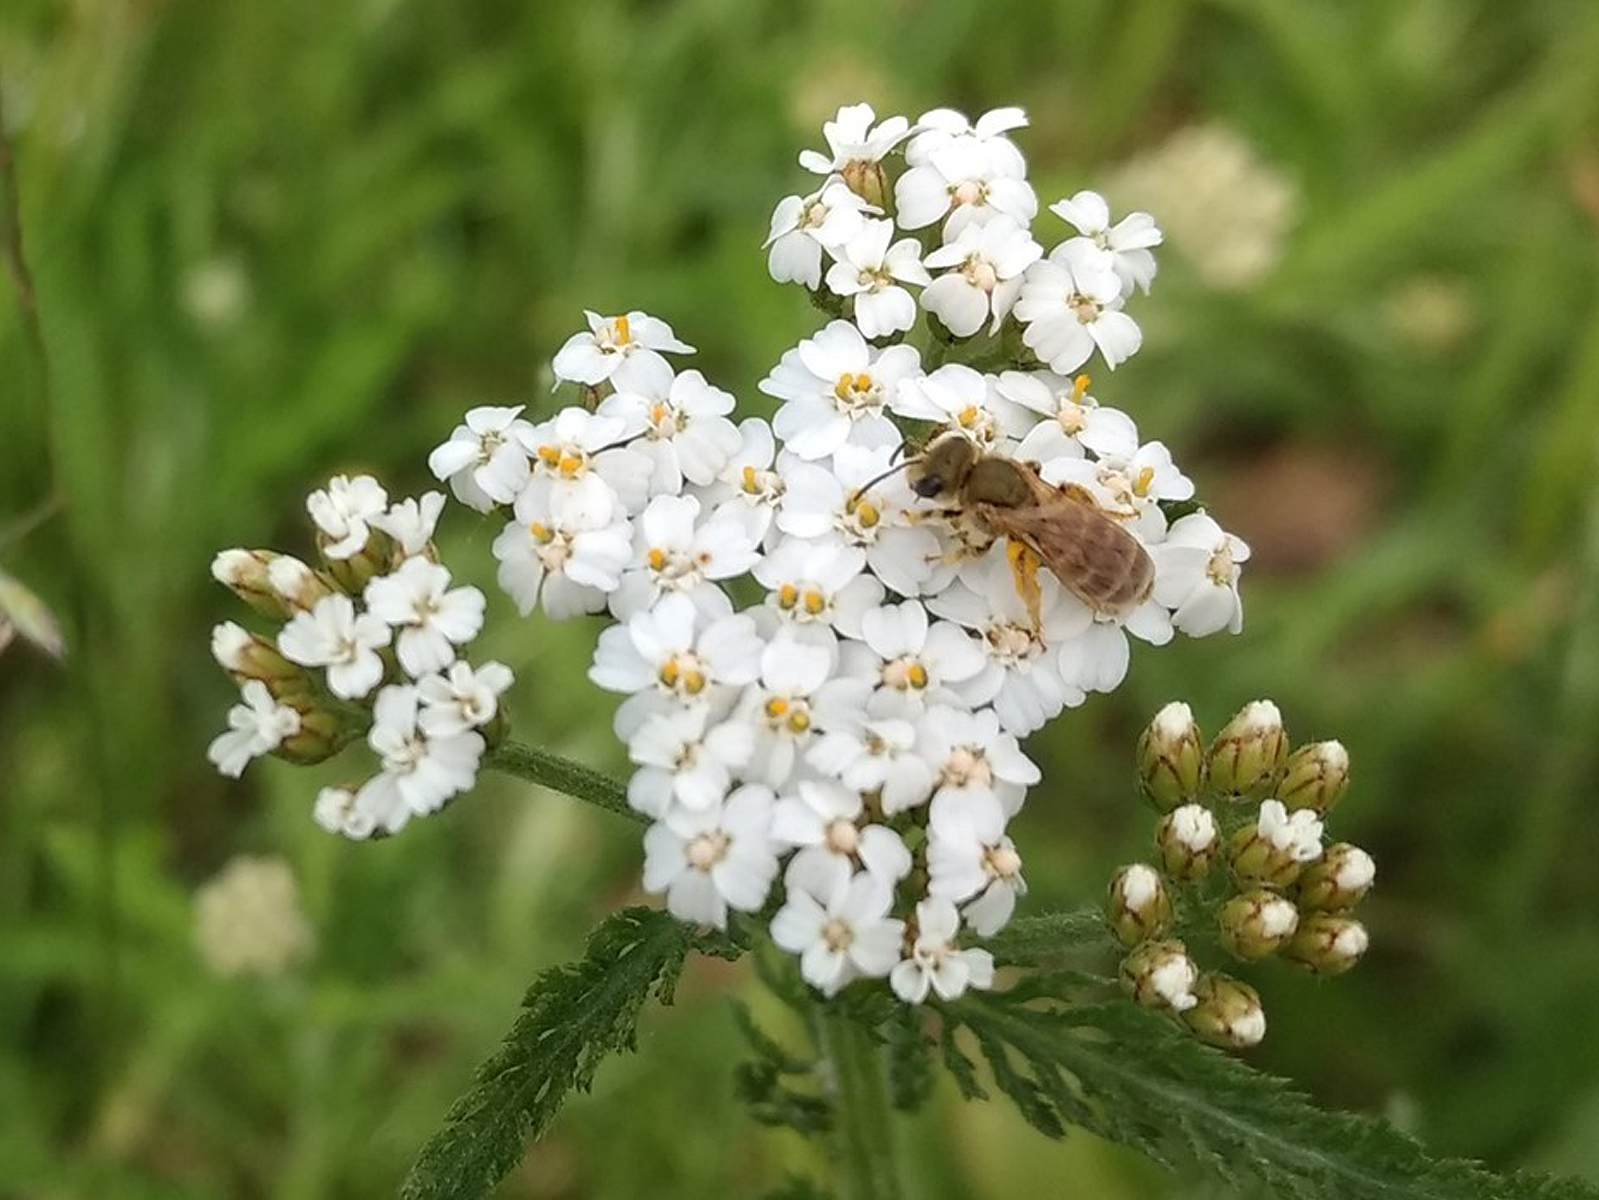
{"type": "Point", "coordinates": [1137, 905]}
{"type": "Point", "coordinates": [1188, 841]}
{"type": "Point", "coordinates": [1339, 880]}
{"type": "Point", "coordinates": [1160, 975]}
{"type": "Point", "coordinates": [246, 656]}
{"type": "Point", "coordinates": [1327, 943]}
{"type": "Point", "coordinates": [1227, 1012]}
{"type": "Point", "coordinates": [1316, 775]}
{"type": "Point", "coordinates": [865, 178]}
{"type": "Point", "coordinates": [1248, 755]}
{"type": "Point", "coordinates": [244, 573]}
{"type": "Point", "coordinates": [295, 584]}
{"type": "Point", "coordinates": [351, 574]}
{"type": "Point", "coordinates": [1171, 757]}
{"type": "Point", "coordinates": [1274, 850]}
{"type": "Point", "coordinates": [1256, 923]}
{"type": "Point", "coordinates": [323, 731]}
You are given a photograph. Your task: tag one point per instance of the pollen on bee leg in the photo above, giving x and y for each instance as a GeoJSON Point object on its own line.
{"type": "Point", "coordinates": [1024, 571]}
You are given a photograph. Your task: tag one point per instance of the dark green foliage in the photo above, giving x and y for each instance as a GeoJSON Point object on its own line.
{"type": "Point", "coordinates": [1134, 1077]}
{"type": "Point", "coordinates": [760, 1082]}
{"type": "Point", "coordinates": [910, 1059]}
{"type": "Point", "coordinates": [797, 1187]}
{"type": "Point", "coordinates": [574, 1017]}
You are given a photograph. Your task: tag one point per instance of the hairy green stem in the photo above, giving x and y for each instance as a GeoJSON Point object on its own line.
{"type": "Point", "coordinates": [562, 775]}
{"type": "Point", "coordinates": [864, 1166]}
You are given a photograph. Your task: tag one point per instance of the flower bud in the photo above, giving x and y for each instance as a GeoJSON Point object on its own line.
{"type": "Point", "coordinates": [1316, 775]}
{"type": "Point", "coordinates": [1338, 881]}
{"type": "Point", "coordinates": [351, 574]}
{"type": "Point", "coordinates": [1188, 841]}
{"type": "Point", "coordinates": [294, 583]}
{"type": "Point", "coordinates": [1137, 905]}
{"type": "Point", "coordinates": [1274, 850]}
{"type": "Point", "coordinates": [1248, 755]}
{"type": "Point", "coordinates": [1327, 943]}
{"type": "Point", "coordinates": [1227, 1012]}
{"type": "Point", "coordinates": [865, 178]}
{"type": "Point", "coordinates": [323, 731]}
{"type": "Point", "coordinates": [244, 573]}
{"type": "Point", "coordinates": [1171, 757]}
{"type": "Point", "coordinates": [1160, 975]}
{"type": "Point", "coordinates": [246, 656]}
{"type": "Point", "coordinates": [1256, 923]}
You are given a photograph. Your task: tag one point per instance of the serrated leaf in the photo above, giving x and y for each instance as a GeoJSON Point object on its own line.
{"type": "Point", "coordinates": [910, 1060]}
{"type": "Point", "coordinates": [960, 1068]}
{"type": "Point", "coordinates": [575, 1016]}
{"type": "Point", "coordinates": [1136, 1078]}
{"type": "Point", "coordinates": [1050, 937]}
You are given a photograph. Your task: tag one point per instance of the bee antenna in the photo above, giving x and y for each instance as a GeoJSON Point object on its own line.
{"type": "Point", "coordinates": [856, 495]}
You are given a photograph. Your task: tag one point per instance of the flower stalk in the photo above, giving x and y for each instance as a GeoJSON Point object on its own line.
{"type": "Point", "coordinates": [864, 1166]}
{"type": "Point", "coordinates": [562, 775]}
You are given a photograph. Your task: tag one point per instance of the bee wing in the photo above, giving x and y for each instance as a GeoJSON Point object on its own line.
{"type": "Point", "coordinates": [1094, 558]}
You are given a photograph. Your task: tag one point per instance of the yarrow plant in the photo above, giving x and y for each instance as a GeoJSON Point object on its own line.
{"type": "Point", "coordinates": [826, 669]}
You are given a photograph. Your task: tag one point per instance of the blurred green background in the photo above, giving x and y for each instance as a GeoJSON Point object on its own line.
{"type": "Point", "coordinates": [276, 240]}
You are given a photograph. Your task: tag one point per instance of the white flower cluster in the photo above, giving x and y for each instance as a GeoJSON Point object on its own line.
{"type": "Point", "coordinates": [856, 731]}
{"type": "Point", "coordinates": [385, 627]}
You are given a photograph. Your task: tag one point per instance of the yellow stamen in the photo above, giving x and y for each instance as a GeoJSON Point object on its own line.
{"type": "Point", "coordinates": [540, 531]}
{"type": "Point", "coordinates": [751, 482]}
{"type": "Point", "coordinates": [1145, 478]}
{"type": "Point", "coordinates": [549, 455]}
{"type": "Point", "coordinates": [620, 331]}
{"type": "Point", "coordinates": [569, 465]}
{"type": "Point", "coordinates": [776, 706]}
{"type": "Point", "coordinates": [815, 602]}
{"type": "Point", "coordinates": [799, 721]}
{"type": "Point", "coordinates": [1079, 389]}
{"type": "Point", "coordinates": [669, 673]}
{"type": "Point", "coordinates": [657, 559]}
{"type": "Point", "coordinates": [968, 416]}
{"type": "Point", "coordinates": [693, 682]}
{"type": "Point", "coordinates": [867, 514]}
{"type": "Point", "coordinates": [787, 596]}
{"type": "Point", "coordinates": [917, 674]}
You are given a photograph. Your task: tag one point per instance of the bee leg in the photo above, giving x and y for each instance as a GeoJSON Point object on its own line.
{"type": "Point", "coordinates": [1024, 571]}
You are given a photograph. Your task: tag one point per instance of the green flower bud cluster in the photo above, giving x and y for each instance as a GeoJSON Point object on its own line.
{"type": "Point", "coordinates": [1239, 860]}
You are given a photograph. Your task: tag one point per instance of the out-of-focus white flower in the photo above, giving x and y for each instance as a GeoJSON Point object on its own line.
{"type": "Point", "coordinates": [1069, 306]}
{"type": "Point", "coordinates": [1128, 240]}
{"type": "Point", "coordinates": [432, 617]}
{"type": "Point", "coordinates": [256, 727]}
{"type": "Point", "coordinates": [343, 511]}
{"type": "Point", "coordinates": [461, 698]}
{"type": "Point", "coordinates": [332, 635]}
{"type": "Point", "coordinates": [835, 388]}
{"type": "Point", "coordinates": [247, 919]}
{"type": "Point", "coordinates": [614, 348]}
{"type": "Point", "coordinates": [335, 811]}
{"type": "Point", "coordinates": [871, 270]}
{"type": "Point", "coordinates": [802, 227]}
{"type": "Point", "coordinates": [1222, 208]}
{"type": "Point", "coordinates": [853, 139]}
{"type": "Point", "coordinates": [486, 458]}
{"type": "Point", "coordinates": [843, 935]}
{"type": "Point", "coordinates": [935, 962]}
{"type": "Point", "coordinates": [987, 261]}
{"type": "Point", "coordinates": [1196, 575]}
{"type": "Point", "coordinates": [714, 859]}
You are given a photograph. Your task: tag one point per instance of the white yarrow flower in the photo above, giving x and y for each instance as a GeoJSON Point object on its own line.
{"type": "Point", "coordinates": [935, 963]}
{"type": "Point", "coordinates": [486, 458]}
{"type": "Point", "coordinates": [461, 698]}
{"type": "Point", "coordinates": [332, 635]}
{"type": "Point", "coordinates": [1069, 306]}
{"type": "Point", "coordinates": [802, 227]}
{"type": "Point", "coordinates": [343, 512]}
{"type": "Point", "coordinates": [987, 262]}
{"type": "Point", "coordinates": [716, 859]}
{"type": "Point", "coordinates": [871, 270]}
{"type": "Point", "coordinates": [1298, 832]}
{"type": "Point", "coordinates": [255, 727]}
{"type": "Point", "coordinates": [432, 617]}
{"type": "Point", "coordinates": [842, 935]}
{"type": "Point", "coordinates": [614, 348]}
{"type": "Point", "coordinates": [1128, 241]}
{"type": "Point", "coordinates": [853, 140]}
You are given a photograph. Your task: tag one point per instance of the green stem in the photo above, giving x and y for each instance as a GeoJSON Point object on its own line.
{"type": "Point", "coordinates": [562, 775]}
{"type": "Point", "coordinates": [863, 1123]}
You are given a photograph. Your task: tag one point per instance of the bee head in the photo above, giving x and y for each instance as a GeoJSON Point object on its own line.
{"type": "Point", "coordinates": [943, 466]}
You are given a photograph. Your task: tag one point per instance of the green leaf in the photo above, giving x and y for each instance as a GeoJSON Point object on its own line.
{"type": "Point", "coordinates": [1136, 1078]}
{"type": "Point", "coordinates": [1050, 937]}
{"type": "Point", "coordinates": [910, 1059]}
{"type": "Point", "coordinates": [575, 1015]}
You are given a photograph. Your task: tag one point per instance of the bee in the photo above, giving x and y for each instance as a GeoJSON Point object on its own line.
{"type": "Point", "coordinates": [1062, 528]}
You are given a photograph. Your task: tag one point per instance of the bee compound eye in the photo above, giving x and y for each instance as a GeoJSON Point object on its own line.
{"type": "Point", "coordinates": [927, 486]}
